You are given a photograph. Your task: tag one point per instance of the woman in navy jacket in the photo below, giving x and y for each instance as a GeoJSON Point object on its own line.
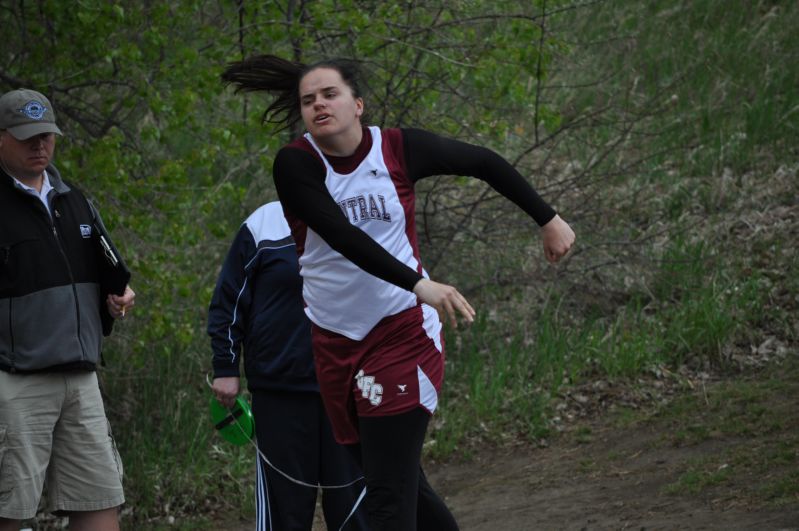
{"type": "Point", "coordinates": [257, 310]}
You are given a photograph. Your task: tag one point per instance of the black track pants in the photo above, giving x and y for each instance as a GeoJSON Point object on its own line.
{"type": "Point", "coordinates": [295, 435]}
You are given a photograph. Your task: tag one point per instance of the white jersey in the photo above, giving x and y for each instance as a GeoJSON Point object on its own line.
{"type": "Point", "coordinates": [340, 296]}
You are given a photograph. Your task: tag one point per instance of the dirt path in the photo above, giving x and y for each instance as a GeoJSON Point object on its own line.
{"type": "Point", "coordinates": [614, 482]}
{"type": "Point", "coordinates": [720, 456]}
{"type": "Point", "coordinates": [727, 460]}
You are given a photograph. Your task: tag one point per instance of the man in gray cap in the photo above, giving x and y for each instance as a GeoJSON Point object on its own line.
{"type": "Point", "coordinates": [54, 310]}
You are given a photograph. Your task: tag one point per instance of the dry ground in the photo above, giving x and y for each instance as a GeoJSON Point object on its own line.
{"type": "Point", "coordinates": [617, 481]}
{"type": "Point", "coordinates": [723, 456]}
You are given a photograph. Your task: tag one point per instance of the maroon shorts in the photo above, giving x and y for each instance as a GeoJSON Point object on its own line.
{"type": "Point", "coordinates": [397, 367]}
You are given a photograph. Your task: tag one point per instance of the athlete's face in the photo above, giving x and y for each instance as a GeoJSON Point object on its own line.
{"type": "Point", "coordinates": [26, 159]}
{"type": "Point", "coordinates": [328, 105]}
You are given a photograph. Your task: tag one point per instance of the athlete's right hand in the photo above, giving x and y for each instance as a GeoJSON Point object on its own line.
{"type": "Point", "coordinates": [447, 301]}
{"type": "Point", "coordinates": [226, 389]}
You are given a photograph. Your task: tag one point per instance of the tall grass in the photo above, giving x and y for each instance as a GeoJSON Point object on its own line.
{"type": "Point", "coordinates": [504, 385]}
{"type": "Point", "coordinates": [725, 66]}
{"type": "Point", "coordinates": [175, 463]}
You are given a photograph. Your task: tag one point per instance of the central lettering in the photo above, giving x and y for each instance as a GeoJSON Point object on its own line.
{"type": "Point", "coordinates": [365, 207]}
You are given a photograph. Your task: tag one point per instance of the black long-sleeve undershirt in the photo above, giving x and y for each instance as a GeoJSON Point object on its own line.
{"type": "Point", "coordinates": [299, 178]}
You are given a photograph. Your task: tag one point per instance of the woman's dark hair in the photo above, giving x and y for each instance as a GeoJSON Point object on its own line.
{"type": "Point", "coordinates": [281, 78]}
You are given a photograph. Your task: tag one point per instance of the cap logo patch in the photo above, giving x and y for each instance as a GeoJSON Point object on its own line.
{"type": "Point", "coordinates": [34, 110]}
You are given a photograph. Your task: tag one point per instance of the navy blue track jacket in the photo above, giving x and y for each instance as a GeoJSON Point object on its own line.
{"type": "Point", "coordinates": [257, 308]}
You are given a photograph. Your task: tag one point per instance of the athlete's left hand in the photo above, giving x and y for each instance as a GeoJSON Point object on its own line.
{"type": "Point", "coordinates": [446, 300]}
{"type": "Point", "coordinates": [558, 239]}
{"type": "Point", "coordinates": [119, 305]}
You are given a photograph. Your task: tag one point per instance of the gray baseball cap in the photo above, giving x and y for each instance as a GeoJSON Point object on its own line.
{"type": "Point", "coordinates": [25, 113]}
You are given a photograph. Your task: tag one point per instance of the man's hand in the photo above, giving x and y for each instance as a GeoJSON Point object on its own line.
{"type": "Point", "coordinates": [118, 305]}
{"type": "Point", "coordinates": [447, 301]}
{"type": "Point", "coordinates": [226, 390]}
{"type": "Point", "coordinates": [558, 238]}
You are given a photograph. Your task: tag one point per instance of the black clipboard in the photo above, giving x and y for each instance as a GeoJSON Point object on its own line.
{"type": "Point", "coordinates": [114, 273]}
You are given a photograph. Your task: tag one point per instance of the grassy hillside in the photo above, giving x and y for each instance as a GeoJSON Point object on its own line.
{"type": "Point", "coordinates": [685, 227]}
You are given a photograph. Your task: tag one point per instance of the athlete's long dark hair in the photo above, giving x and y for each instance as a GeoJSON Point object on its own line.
{"type": "Point", "coordinates": [281, 78]}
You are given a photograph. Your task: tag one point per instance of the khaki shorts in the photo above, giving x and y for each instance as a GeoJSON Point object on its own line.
{"type": "Point", "coordinates": [53, 427]}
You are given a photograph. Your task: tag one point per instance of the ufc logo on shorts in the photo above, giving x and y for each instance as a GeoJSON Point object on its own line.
{"type": "Point", "coordinates": [369, 389]}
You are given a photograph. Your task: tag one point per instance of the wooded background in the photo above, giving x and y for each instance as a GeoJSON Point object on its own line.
{"type": "Point", "coordinates": [664, 132]}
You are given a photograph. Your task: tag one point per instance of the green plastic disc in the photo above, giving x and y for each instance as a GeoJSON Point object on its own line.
{"type": "Point", "coordinates": [236, 424]}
